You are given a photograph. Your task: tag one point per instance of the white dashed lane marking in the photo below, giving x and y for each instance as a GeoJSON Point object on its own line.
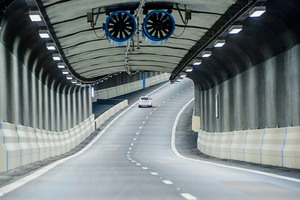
{"type": "Point", "coordinates": [145, 168]}
{"type": "Point", "coordinates": [188, 196]}
{"type": "Point", "coordinates": [167, 182]}
{"type": "Point", "coordinates": [154, 173]}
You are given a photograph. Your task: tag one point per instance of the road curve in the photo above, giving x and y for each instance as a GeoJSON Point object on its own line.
{"type": "Point", "coordinates": [134, 160]}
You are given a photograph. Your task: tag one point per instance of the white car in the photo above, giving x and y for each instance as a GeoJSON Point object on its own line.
{"type": "Point", "coordinates": [145, 101]}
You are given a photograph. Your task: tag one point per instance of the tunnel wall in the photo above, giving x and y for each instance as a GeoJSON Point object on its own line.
{"type": "Point", "coordinates": [37, 117]}
{"type": "Point", "coordinates": [130, 85]}
{"type": "Point", "coordinates": [254, 116]}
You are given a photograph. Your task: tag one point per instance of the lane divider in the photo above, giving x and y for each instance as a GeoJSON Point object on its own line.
{"type": "Point", "coordinates": [221, 165]}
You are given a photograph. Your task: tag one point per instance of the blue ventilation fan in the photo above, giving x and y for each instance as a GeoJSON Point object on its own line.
{"type": "Point", "coordinates": [120, 27]}
{"type": "Point", "coordinates": [158, 26]}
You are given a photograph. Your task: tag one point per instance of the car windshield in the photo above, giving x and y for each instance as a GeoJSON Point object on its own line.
{"type": "Point", "coordinates": [144, 98]}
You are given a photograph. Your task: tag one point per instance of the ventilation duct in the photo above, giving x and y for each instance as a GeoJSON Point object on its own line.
{"type": "Point", "coordinates": [158, 26]}
{"type": "Point", "coordinates": [120, 27]}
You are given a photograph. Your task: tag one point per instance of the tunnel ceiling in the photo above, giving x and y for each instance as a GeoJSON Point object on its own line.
{"type": "Point", "coordinates": [91, 56]}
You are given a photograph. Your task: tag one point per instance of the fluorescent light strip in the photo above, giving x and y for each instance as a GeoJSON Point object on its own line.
{"type": "Point", "coordinates": [189, 70]}
{"type": "Point", "coordinates": [219, 43]}
{"type": "Point", "coordinates": [235, 29]}
{"type": "Point", "coordinates": [61, 65]}
{"type": "Point", "coordinates": [44, 35]}
{"type": "Point", "coordinates": [206, 54]}
{"type": "Point", "coordinates": [56, 57]}
{"type": "Point", "coordinates": [51, 46]}
{"type": "Point", "coordinates": [197, 62]}
{"type": "Point", "coordinates": [35, 16]}
{"type": "Point", "coordinates": [257, 11]}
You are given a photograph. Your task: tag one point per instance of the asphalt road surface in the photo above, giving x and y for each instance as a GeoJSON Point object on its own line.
{"type": "Point", "coordinates": [135, 159]}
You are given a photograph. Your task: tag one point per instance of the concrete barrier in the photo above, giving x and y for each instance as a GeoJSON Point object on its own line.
{"type": "Point", "coordinates": [20, 145]}
{"type": "Point", "coordinates": [109, 113]}
{"type": "Point", "coordinates": [119, 90]}
{"type": "Point", "coordinates": [273, 146]}
{"type": "Point", "coordinates": [10, 147]}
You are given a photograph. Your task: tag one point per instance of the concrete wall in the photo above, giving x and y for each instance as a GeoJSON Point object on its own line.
{"type": "Point", "coordinates": [21, 145]}
{"type": "Point", "coordinates": [122, 89]}
{"type": "Point", "coordinates": [273, 146]}
{"type": "Point", "coordinates": [39, 117]}
{"type": "Point", "coordinates": [254, 116]}
{"type": "Point", "coordinates": [265, 96]}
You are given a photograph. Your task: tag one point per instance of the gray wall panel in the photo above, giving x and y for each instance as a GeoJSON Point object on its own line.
{"type": "Point", "coordinates": [265, 96]}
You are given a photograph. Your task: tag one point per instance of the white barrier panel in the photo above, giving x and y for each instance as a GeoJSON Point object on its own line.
{"type": "Point", "coordinates": [24, 142]}
{"type": "Point", "coordinates": [109, 113]}
{"type": "Point", "coordinates": [238, 144]}
{"type": "Point", "coordinates": [22, 145]}
{"type": "Point", "coordinates": [129, 87]}
{"type": "Point", "coordinates": [273, 146]}
{"type": "Point", "coordinates": [291, 148]}
{"type": "Point", "coordinates": [10, 148]}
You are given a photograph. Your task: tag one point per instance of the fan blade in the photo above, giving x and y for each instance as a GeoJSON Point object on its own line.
{"type": "Point", "coordinates": [115, 34]}
{"type": "Point", "coordinates": [161, 35]}
{"type": "Point", "coordinates": [125, 33]}
{"type": "Point", "coordinates": [114, 18]}
{"type": "Point", "coordinates": [151, 32]}
{"type": "Point", "coordinates": [156, 34]}
{"type": "Point", "coordinates": [119, 16]}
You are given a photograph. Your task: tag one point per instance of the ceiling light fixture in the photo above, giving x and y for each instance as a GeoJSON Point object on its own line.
{"type": "Point", "coordinates": [51, 46]}
{"type": "Point", "coordinates": [206, 54]}
{"type": "Point", "coordinates": [197, 62]}
{"type": "Point", "coordinates": [69, 77]}
{"type": "Point", "coordinates": [257, 11]}
{"type": "Point", "coordinates": [56, 57]}
{"type": "Point", "coordinates": [65, 71]}
{"type": "Point", "coordinates": [234, 29]}
{"type": "Point", "coordinates": [35, 16]}
{"type": "Point", "coordinates": [61, 65]}
{"type": "Point", "coordinates": [74, 81]}
{"type": "Point", "coordinates": [189, 70]}
{"type": "Point", "coordinates": [44, 34]}
{"type": "Point", "coordinates": [219, 43]}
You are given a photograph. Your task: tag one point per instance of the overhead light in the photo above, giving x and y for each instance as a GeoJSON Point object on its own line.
{"type": "Point", "coordinates": [235, 29]}
{"type": "Point", "coordinates": [51, 46]}
{"type": "Point", "coordinates": [61, 65]}
{"type": "Point", "coordinates": [189, 70]}
{"type": "Point", "coordinates": [65, 71]}
{"type": "Point", "coordinates": [183, 76]}
{"type": "Point", "coordinates": [197, 62]}
{"type": "Point", "coordinates": [69, 77]}
{"type": "Point", "coordinates": [35, 16]}
{"type": "Point", "coordinates": [257, 11]}
{"type": "Point", "coordinates": [44, 34]}
{"type": "Point", "coordinates": [56, 57]}
{"type": "Point", "coordinates": [74, 81]}
{"type": "Point", "coordinates": [219, 43]}
{"type": "Point", "coordinates": [206, 54]}
{"type": "Point", "coordinates": [109, 76]}
{"type": "Point", "coordinates": [78, 83]}
{"type": "Point", "coordinates": [93, 92]}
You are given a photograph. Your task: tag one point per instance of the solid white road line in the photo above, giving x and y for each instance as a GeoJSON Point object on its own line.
{"type": "Point", "coordinates": [220, 165]}
{"type": "Point", "coordinates": [12, 186]}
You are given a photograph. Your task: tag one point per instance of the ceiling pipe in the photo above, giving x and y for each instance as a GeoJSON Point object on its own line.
{"type": "Point", "coordinates": [137, 15]}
